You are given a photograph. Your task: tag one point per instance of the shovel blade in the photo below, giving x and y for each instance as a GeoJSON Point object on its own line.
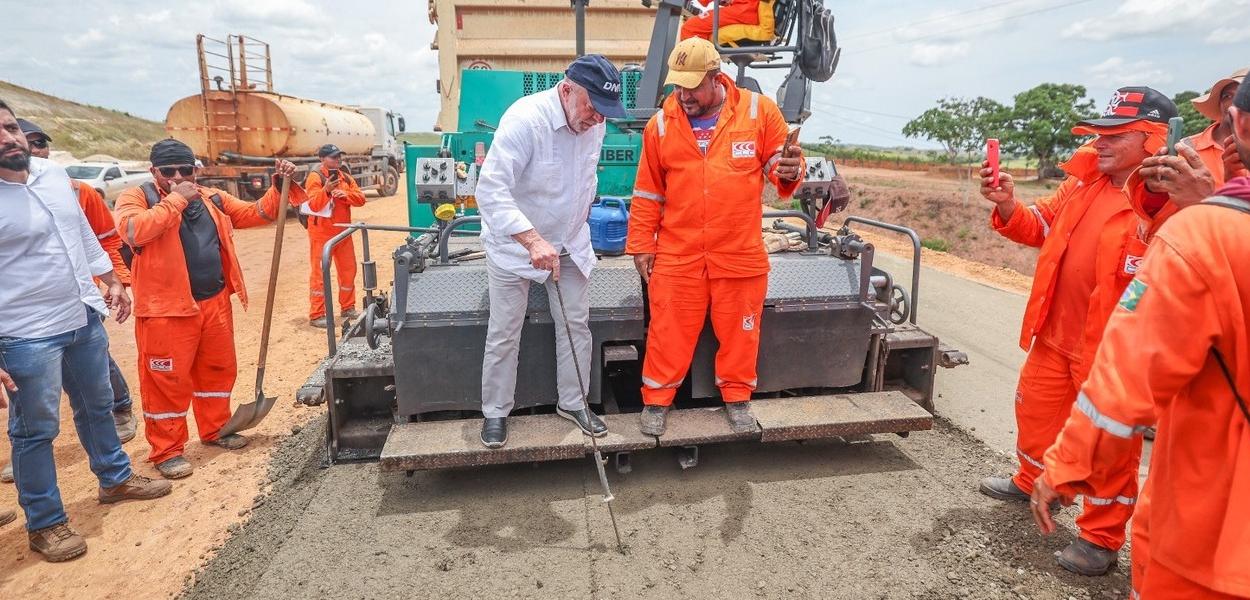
{"type": "Point", "coordinates": [249, 415]}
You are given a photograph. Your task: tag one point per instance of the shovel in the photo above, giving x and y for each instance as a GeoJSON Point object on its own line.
{"type": "Point", "coordinates": [251, 414]}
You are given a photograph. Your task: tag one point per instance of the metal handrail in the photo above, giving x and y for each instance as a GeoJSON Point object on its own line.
{"type": "Point", "coordinates": [915, 260]}
{"type": "Point", "coordinates": [445, 235]}
{"type": "Point", "coordinates": [730, 50]}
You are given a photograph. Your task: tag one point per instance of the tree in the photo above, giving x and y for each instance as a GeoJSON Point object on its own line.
{"type": "Point", "coordinates": [959, 124]}
{"type": "Point", "coordinates": [1041, 122]}
{"type": "Point", "coordinates": [1194, 121]}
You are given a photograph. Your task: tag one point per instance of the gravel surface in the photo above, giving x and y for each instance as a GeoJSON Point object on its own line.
{"type": "Point", "coordinates": [874, 518]}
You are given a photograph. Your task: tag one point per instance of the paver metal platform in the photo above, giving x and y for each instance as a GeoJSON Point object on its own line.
{"type": "Point", "coordinates": [533, 438]}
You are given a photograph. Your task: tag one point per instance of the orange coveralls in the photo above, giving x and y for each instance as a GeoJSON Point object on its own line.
{"type": "Point", "coordinates": [101, 221]}
{"type": "Point", "coordinates": [701, 217]}
{"type": "Point", "coordinates": [741, 12]}
{"type": "Point", "coordinates": [186, 347]}
{"type": "Point", "coordinates": [1191, 535]}
{"type": "Point", "coordinates": [1088, 255]}
{"type": "Point", "coordinates": [321, 229]}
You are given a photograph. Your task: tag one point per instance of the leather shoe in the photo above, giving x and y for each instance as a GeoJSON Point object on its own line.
{"type": "Point", "coordinates": [587, 421]}
{"type": "Point", "coordinates": [1087, 558]}
{"type": "Point", "coordinates": [495, 432]}
{"type": "Point", "coordinates": [1003, 488]}
{"type": "Point", "coordinates": [651, 419]}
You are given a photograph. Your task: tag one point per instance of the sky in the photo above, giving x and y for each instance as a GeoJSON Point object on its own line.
{"type": "Point", "coordinates": [899, 57]}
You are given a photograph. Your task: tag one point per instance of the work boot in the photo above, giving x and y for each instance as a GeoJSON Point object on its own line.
{"type": "Point", "coordinates": [587, 421]}
{"type": "Point", "coordinates": [57, 543]}
{"type": "Point", "coordinates": [495, 432]}
{"type": "Point", "coordinates": [349, 314]}
{"type": "Point", "coordinates": [652, 419]}
{"type": "Point", "coordinates": [175, 468]}
{"type": "Point", "coordinates": [124, 421]}
{"type": "Point", "coordinates": [7, 516]}
{"type": "Point", "coordinates": [1087, 558]}
{"type": "Point", "coordinates": [319, 322]}
{"type": "Point", "coordinates": [137, 487]}
{"type": "Point", "coordinates": [232, 441]}
{"type": "Point", "coordinates": [1003, 488]}
{"type": "Point", "coordinates": [6, 474]}
{"type": "Point", "coordinates": [740, 418]}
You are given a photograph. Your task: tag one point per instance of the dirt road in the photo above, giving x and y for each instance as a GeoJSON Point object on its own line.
{"type": "Point", "coordinates": [880, 518]}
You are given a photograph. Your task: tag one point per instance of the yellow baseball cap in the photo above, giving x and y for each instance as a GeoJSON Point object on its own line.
{"type": "Point", "coordinates": [690, 62]}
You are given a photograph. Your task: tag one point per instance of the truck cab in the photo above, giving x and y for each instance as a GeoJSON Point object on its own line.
{"type": "Point", "coordinates": [386, 126]}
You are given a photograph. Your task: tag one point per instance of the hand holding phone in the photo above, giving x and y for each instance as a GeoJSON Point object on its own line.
{"type": "Point", "coordinates": [792, 138]}
{"type": "Point", "coordinates": [991, 156]}
{"type": "Point", "coordinates": [1176, 128]}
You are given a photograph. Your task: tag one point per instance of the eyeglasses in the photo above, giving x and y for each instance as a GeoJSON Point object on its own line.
{"type": "Point", "coordinates": [39, 143]}
{"type": "Point", "coordinates": [184, 170]}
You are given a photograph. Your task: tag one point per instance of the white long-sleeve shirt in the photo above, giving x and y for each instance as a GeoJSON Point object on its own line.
{"type": "Point", "coordinates": [48, 255]}
{"type": "Point", "coordinates": [538, 175]}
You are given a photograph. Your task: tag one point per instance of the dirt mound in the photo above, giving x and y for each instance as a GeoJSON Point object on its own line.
{"type": "Point", "coordinates": [82, 129]}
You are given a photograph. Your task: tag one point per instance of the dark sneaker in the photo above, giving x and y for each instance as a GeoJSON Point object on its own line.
{"type": "Point", "coordinates": [652, 419]}
{"type": "Point", "coordinates": [1003, 488]}
{"type": "Point", "coordinates": [349, 314]}
{"type": "Point", "coordinates": [740, 418]}
{"type": "Point", "coordinates": [495, 432]}
{"type": "Point", "coordinates": [175, 468]}
{"type": "Point", "coordinates": [124, 421]}
{"type": "Point", "coordinates": [233, 441]}
{"type": "Point", "coordinates": [319, 323]}
{"type": "Point", "coordinates": [6, 474]}
{"type": "Point", "coordinates": [1086, 558]}
{"type": "Point", "coordinates": [57, 543]}
{"type": "Point", "coordinates": [587, 421]}
{"type": "Point", "coordinates": [7, 516]}
{"type": "Point", "coordinates": [137, 487]}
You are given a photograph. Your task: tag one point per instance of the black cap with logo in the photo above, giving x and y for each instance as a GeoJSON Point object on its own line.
{"type": "Point", "coordinates": [328, 150]}
{"type": "Point", "coordinates": [1137, 103]}
{"type": "Point", "coordinates": [602, 81]}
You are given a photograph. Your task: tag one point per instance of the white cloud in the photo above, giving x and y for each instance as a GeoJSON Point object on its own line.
{"type": "Point", "coordinates": [89, 38]}
{"type": "Point", "coordinates": [932, 55]}
{"type": "Point", "coordinates": [1147, 17]}
{"type": "Point", "coordinates": [1228, 35]}
{"type": "Point", "coordinates": [1116, 72]}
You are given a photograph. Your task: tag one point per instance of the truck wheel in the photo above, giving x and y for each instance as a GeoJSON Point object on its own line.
{"type": "Point", "coordinates": [390, 182]}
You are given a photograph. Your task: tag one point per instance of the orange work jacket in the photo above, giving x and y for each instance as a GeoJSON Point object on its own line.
{"type": "Point", "coordinates": [162, 287]}
{"type": "Point", "coordinates": [1157, 364]}
{"type": "Point", "coordinates": [101, 221]}
{"type": "Point", "coordinates": [319, 197]}
{"type": "Point", "coordinates": [700, 215]}
{"type": "Point", "coordinates": [1212, 155]}
{"type": "Point", "coordinates": [1048, 224]}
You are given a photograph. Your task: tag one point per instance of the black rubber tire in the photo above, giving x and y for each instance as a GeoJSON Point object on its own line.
{"type": "Point", "coordinates": [390, 183]}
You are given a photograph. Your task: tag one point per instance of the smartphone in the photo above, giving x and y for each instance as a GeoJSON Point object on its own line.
{"type": "Point", "coordinates": [791, 139]}
{"type": "Point", "coordinates": [1176, 128]}
{"type": "Point", "coordinates": [991, 156]}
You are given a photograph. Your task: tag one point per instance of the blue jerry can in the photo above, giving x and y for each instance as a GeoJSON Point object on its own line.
{"type": "Point", "coordinates": [609, 222]}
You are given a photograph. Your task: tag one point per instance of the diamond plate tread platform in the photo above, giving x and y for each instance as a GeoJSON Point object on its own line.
{"type": "Point", "coordinates": [458, 443]}
{"type": "Point", "coordinates": [694, 426]}
{"type": "Point", "coordinates": [463, 289]}
{"type": "Point", "coordinates": [623, 435]}
{"type": "Point", "coordinates": [814, 417]}
{"type": "Point", "coordinates": [796, 276]}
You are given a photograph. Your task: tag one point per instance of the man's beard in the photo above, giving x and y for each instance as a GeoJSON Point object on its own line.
{"type": "Point", "coordinates": [20, 162]}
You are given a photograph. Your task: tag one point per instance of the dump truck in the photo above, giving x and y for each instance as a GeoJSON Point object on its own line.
{"type": "Point", "coordinates": [841, 352]}
{"type": "Point", "coordinates": [238, 124]}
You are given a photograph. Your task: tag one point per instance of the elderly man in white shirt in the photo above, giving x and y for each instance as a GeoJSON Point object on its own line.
{"type": "Point", "coordinates": [51, 336]}
{"type": "Point", "coordinates": [534, 195]}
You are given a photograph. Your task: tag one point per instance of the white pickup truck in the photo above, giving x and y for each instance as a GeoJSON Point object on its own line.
{"type": "Point", "coordinates": [107, 178]}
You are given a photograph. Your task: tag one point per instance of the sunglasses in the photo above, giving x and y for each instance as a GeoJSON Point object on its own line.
{"type": "Point", "coordinates": [184, 170]}
{"type": "Point", "coordinates": [39, 143]}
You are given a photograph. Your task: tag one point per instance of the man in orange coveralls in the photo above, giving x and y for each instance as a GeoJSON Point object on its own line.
{"type": "Point", "coordinates": [183, 273]}
{"type": "Point", "coordinates": [1086, 234]}
{"type": "Point", "coordinates": [1165, 184]}
{"type": "Point", "coordinates": [694, 227]}
{"type": "Point", "coordinates": [331, 195]}
{"type": "Point", "coordinates": [732, 12]}
{"type": "Point", "coordinates": [1175, 352]}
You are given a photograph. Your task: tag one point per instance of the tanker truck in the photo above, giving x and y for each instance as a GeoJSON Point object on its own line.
{"type": "Point", "coordinates": [237, 124]}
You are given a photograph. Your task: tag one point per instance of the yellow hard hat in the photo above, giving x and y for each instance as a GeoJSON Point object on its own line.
{"type": "Point", "coordinates": [445, 212]}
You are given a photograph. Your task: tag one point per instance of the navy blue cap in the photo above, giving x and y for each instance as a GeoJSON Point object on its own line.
{"type": "Point", "coordinates": [603, 82]}
{"type": "Point", "coordinates": [29, 128]}
{"type": "Point", "coordinates": [328, 150]}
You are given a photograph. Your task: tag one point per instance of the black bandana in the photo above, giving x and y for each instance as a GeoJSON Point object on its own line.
{"type": "Point", "coordinates": [171, 152]}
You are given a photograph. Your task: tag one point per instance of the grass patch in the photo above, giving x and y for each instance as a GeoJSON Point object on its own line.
{"type": "Point", "coordinates": [937, 244]}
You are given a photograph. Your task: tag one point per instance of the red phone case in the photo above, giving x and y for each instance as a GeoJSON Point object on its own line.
{"type": "Point", "coordinates": [991, 155]}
